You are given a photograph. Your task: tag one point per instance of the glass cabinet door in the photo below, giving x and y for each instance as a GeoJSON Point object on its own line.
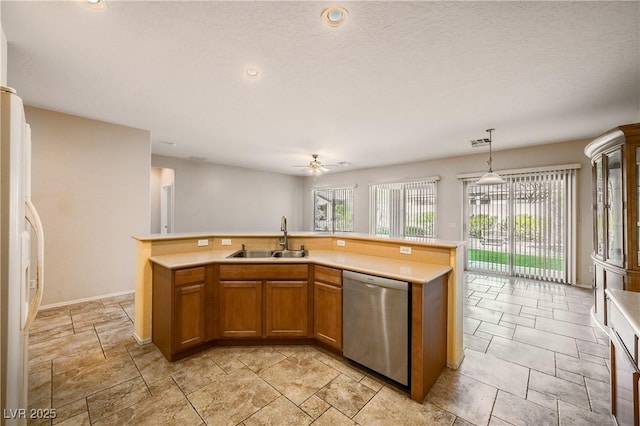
{"type": "Point", "coordinates": [615, 242]}
{"type": "Point", "coordinates": [599, 237]}
{"type": "Point", "coordinates": [636, 214]}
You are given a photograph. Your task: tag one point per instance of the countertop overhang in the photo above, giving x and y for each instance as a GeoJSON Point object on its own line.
{"type": "Point", "coordinates": [432, 242]}
{"type": "Point", "coordinates": [628, 302]}
{"type": "Point", "coordinates": [409, 271]}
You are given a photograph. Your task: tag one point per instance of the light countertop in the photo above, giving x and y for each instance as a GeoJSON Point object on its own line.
{"type": "Point", "coordinates": [628, 302]}
{"type": "Point", "coordinates": [404, 270]}
{"type": "Point", "coordinates": [347, 235]}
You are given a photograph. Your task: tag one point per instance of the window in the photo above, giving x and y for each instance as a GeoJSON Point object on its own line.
{"type": "Point", "coordinates": [405, 209]}
{"type": "Point", "coordinates": [333, 210]}
{"type": "Point", "coordinates": [524, 227]}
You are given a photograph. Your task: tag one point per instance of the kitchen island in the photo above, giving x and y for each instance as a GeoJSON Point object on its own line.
{"type": "Point", "coordinates": [429, 266]}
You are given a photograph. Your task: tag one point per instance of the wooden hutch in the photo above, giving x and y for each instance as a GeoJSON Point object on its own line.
{"type": "Point", "coordinates": [615, 157]}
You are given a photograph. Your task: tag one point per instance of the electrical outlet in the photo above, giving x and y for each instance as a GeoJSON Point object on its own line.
{"type": "Point", "coordinates": [226, 241]}
{"type": "Point", "coordinates": [203, 243]}
{"type": "Point", "coordinates": [32, 284]}
{"type": "Point", "coordinates": [405, 250]}
{"type": "Point", "coordinates": [340, 243]}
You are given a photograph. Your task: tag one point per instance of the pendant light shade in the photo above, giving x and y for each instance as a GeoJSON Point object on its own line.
{"type": "Point", "coordinates": [491, 177]}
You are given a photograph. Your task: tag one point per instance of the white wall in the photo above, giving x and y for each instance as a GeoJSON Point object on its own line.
{"type": "Point", "coordinates": [90, 184]}
{"type": "Point", "coordinates": [215, 198]}
{"type": "Point", "coordinates": [449, 214]}
{"type": "Point", "coordinates": [3, 53]}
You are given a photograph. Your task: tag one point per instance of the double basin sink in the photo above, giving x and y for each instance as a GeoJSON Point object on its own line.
{"type": "Point", "coordinates": [257, 254]}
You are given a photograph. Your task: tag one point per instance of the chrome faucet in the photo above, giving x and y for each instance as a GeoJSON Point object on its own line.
{"type": "Point", "coordinates": [283, 227]}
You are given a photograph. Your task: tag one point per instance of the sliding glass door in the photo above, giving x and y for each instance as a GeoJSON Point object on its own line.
{"type": "Point", "coordinates": [523, 227]}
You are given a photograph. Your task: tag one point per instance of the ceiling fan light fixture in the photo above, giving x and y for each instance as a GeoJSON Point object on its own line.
{"type": "Point", "coordinates": [334, 16]}
{"type": "Point", "coordinates": [252, 72]}
{"type": "Point", "coordinates": [491, 177]}
{"type": "Point", "coordinates": [95, 4]}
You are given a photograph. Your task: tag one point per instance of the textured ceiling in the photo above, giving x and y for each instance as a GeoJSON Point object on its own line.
{"type": "Point", "coordinates": [398, 82]}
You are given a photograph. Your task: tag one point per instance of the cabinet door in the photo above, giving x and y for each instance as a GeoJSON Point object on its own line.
{"type": "Point", "coordinates": [189, 315]}
{"type": "Point", "coordinates": [624, 384]}
{"type": "Point", "coordinates": [328, 314]}
{"type": "Point", "coordinates": [600, 208]}
{"type": "Point", "coordinates": [287, 309]}
{"type": "Point", "coordinates": [240, 309]}
{"type": "Point", "coordinates": [614, 216]}
{"type": "Point", "coordinates": [598, 294]}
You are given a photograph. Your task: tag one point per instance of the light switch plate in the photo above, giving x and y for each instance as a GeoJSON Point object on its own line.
{"type": "Point", "coordinates": [203, 243]}
{"type": "Point", "coordinates": [340, 243]}
{"type": "Point", "coordinates": [226, 241]}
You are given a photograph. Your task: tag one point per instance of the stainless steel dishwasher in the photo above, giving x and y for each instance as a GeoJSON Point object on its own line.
{"type": "Point", "coordinates": [375, 324]}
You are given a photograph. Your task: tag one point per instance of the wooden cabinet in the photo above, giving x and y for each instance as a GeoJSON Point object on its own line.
{"type": "Point", "coordinates": [263, 301]}
{"type": "Point", "coordinates": [286, 309]}
{"type": "Point", "coordinates": [240, 309]}
{"type": "Point", "coordinates": [179, 309]}
{"type": "Point", "coordinates": [623, 344]}
{"type": "Point", "coordinates": [327, 306]}
{"type": "Point", "coordinates": [615, 157]}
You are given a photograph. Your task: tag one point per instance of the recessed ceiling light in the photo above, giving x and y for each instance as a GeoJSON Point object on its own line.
{"type": "Point", "coordinates": [334, 16]}
{"type": "Point", "coordinates": [252, 72]}
{"type": "Point", "coordinates": [96, 4]}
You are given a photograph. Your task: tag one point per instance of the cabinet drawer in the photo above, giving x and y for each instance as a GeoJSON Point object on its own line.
{"type": "Point", "coordinates": [623, 329]}
{"type": "Point", "coordinates": [328, 275]}
{"type": "Point", "coordinates": [189, 276]}
{"type": "Point", "coordinates": [264, 272]}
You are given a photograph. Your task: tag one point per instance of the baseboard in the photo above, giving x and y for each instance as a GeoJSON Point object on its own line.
{"type": "Point", "coordinates": [85, 299]}
{"type": "Point", "coordinates": [454, 365]}
{"type": "Point", "coordinates": [141, 341]}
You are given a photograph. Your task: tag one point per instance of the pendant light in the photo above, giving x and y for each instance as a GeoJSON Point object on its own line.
{"type": "Point", "coordinates": [491, 177]}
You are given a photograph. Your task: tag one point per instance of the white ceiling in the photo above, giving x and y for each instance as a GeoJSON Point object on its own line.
{"type": "Point", "coordinates": [399, 82]}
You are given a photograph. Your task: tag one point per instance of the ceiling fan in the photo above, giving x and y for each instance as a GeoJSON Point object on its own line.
{"type": "Point", "coordinates": [315, 167]}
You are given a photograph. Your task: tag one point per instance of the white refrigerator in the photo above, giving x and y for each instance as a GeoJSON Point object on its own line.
{"type": "Point", "coordinates": [21, 257]}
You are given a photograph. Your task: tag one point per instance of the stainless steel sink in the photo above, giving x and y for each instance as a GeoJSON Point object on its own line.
{"type": "Point", "coordinates": [290, 253]}
{"type": "Point", "coordinates": [256, 254]}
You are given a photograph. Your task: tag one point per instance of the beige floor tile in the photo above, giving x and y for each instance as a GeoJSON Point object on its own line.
{"type": "Point", "coordinates": [116, 339]}
{"type": "Point", "coordinates": [81, 419]}
{"type": "Point", "coordinates": [498, 373]}
{"type": "Point", "coordinates": [392, 407]}
{"type": "Point", "coordinates": [261, 358]}
{"type": "Point", "coordinates": [372, 383]}
{"type": "Point", "coordinates": [39, 385]}
{"type": "Point", "coordinates": [42, 334]}
{"type": "Point", "coordinates": [167, 406]}
{"type": "Point", "coordinates": [197, 372]}
{"type": "Point", "coordinates": [346, 394]}
{"type": "Point", "coordinates": [232, 398]}
{"type": "Point", "coordinates": [228, 357]}
{"type": "Point", "coordinates": [97, 316]}
{"type": "Point", "coordinates": [463, 396]}
{"type": "Point", "coordinates": [71, 410]}
{"type": "Point", "coordinates": [116, 398]}
{"type": "Point", "coordinates": [315, 406]}
{"type": "Point", "coordinates": [153, 365]}
{"type": "Point", "coordinates": [519, 411]}
{"type": "Point", "coordinates": [67, 345]}
{"type": "Point", "coordinates": [90, 378]}
{"type": "Point", "coordinates": [342, 365]}
{"type": "Point", "coordinates": [333, 417]}
{"type": "Point", "coordinates": [299, 377]}
{"type": "Point", "coordinates": [280, 411]}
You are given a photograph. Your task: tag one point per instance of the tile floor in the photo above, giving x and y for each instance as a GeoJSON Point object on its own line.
{"type": "Point", "coordinates": [531, 358]}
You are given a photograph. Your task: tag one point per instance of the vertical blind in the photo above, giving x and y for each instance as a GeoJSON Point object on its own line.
{"type": "Point", "coordinates": [524, 227]}
{"type": "Point", "coordinates": [406, 209]}
{"type": "Point", "coordinates": [333, 209]}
